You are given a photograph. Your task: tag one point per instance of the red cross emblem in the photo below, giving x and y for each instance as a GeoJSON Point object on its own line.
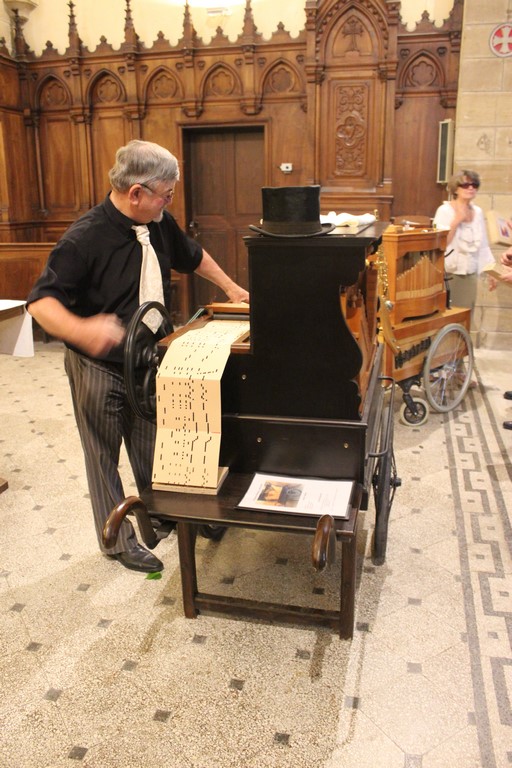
{"type": "Point", "coordinates": [501, 40]}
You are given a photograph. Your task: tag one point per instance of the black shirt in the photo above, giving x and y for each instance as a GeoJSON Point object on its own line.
{"type": "Point", "coordinates": [95, 266]}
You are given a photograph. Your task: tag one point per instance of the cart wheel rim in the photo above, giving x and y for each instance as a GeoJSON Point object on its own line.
{"type": "Point", "coordinates": [448, 368]}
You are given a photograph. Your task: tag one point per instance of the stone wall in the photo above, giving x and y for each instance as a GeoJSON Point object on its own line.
{"type": "Point", "coordinates": [483, 142]}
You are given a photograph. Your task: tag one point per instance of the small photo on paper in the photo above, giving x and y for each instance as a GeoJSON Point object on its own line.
{"type": "Point", "coordinates": [298, 495]}
{"type": "Point", "coordinates": [504, 227]}
{"type": "Point", "coordinates": [499, 228]}
{"type": "Point", "coordinates": [281, 494]}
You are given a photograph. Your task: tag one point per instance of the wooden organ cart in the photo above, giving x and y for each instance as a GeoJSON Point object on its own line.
{"type": "Point", "coordinates": [302, 396]}
{"type": "Point", "coordinates": [427, 341]}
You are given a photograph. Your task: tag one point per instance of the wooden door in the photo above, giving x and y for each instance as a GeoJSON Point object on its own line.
{"type": "Point", "coordinates": [224, 170]}
{"type": "Point", "coordinates": [415, 165]}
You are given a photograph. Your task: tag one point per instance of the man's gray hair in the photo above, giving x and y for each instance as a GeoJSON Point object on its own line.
{"type": "Point", "coordinates": [143, 162]}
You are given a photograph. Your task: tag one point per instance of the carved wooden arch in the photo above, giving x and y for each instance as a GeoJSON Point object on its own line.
{"type": "Point", "coordinates": [220, 81]}
{"type": "Point", "coordinates": [115, 87]}
{"type": "Point", "coordinates": [162, 86]}
{"type": "Point", "coordinates": [341, 27]}
{"type": "Point", "coordinates": [48, 89]}
{"type": "Point", "coordinates": [281, 79]}
{"type": "Point", "coordinates": [423, 72]}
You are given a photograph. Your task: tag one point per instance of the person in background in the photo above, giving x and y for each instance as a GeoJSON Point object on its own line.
{"type": "Point", "coordinates": [86, 296]}
{"type": "Point", "coordinates": [467, 245]}
{"type": "Point", "coordinates": [506, 260]}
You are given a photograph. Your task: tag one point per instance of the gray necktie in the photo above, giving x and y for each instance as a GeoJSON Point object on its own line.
{"type": "Point", "coordinates": [150, 287]}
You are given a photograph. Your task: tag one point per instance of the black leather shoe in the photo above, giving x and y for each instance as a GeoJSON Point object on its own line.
{"type": "Point", "coordinates": [508, 395]}
{"type": "Point", "coordinates": [507, 424]}
{"type": "Point", "coordinates": [139, 559]}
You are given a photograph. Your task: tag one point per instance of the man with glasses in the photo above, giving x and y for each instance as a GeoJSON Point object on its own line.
{"type": "Point", "coordinates": [86, 296]}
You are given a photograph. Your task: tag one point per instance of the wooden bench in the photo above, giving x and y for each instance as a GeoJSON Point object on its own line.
{"type": "Point", "coordinates": [190, 511]}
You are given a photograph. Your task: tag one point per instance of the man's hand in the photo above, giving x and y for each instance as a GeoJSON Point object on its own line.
{"type": "Point", "coordinates": [95, 335]}
{"type": "Point", "coordinates": [507, 277]}
{"type": "Point", "coordinates": [506, 258]}
{"type": "Point", "coordinates": [99, 334]}
{"type": "Point", "coordinates": [237, 294]}
{"type": "Point", "coordinates": [210, 270]}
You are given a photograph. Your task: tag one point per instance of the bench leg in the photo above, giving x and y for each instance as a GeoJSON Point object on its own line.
{"type": "Point", "coordinates": [348, 585]}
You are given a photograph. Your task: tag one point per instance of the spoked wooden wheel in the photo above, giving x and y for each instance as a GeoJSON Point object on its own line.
{"type": "Point", "coordinates": [141, 360]}
{"type": "Point", "coordinates": [448, 368]}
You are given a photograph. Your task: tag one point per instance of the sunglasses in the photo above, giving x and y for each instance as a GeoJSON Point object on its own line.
{"type": "Point", "coordinates": [469, 184]}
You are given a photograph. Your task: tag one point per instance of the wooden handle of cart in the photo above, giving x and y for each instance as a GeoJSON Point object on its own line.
{"type": "Point", "coordinates": [324, 543]}
{"type": "Point", "coordinates": [132, 504]}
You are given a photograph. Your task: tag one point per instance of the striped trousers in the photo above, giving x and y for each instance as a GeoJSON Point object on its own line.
{"type": "Point", "coordinates": [104, 419]}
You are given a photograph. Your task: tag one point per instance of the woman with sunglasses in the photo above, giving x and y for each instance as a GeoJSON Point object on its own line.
{"type": "Point", "coordinates": [467, 246]}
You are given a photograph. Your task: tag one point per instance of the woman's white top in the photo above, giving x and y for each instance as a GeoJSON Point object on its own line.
{"type": "Point", "coordinates": [469, 249]}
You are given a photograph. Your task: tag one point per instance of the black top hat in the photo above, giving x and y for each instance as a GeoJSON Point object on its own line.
{"type": "Point", "coordinates": [291, 212]}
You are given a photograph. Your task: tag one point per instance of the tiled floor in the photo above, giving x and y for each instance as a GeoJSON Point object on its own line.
{"type": "Point", "coordinates": [99, 667]}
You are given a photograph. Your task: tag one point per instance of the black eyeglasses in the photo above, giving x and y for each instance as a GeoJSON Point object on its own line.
{"type": "Point", "coordinates": [167, 197]}
{"type": "Point", "coordinates": [469, 184]}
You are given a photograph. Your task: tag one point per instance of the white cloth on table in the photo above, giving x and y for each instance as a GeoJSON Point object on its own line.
{"type": "Point", "coordinates": [16, 337]}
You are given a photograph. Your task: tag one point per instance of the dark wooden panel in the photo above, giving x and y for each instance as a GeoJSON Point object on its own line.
{"type": "Point", "coordinates": [20, 266]}
{"type": "Point", "coordinates": [249, 172]}
{"type": "Point", "coordinates": [60, 193]}
{"type": "Point", "coordinates": [107, 136]}
{"type": "Point", "coordinates": [225, 176]}
{"type": "Point", "coordinates": [9, 85]}
{"type": "Point", "coordinates": [416, 162]}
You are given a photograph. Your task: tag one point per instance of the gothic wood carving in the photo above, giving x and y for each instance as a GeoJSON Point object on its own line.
{"type": "Point", "coordinates": [337, 102]}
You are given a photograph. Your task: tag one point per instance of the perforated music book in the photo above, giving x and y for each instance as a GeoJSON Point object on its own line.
{"type": "Point", "coordinates": [189, 414]}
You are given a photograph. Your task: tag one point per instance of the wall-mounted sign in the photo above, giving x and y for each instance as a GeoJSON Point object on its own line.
{"type": "Point", "coordinates": [500, 40]}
